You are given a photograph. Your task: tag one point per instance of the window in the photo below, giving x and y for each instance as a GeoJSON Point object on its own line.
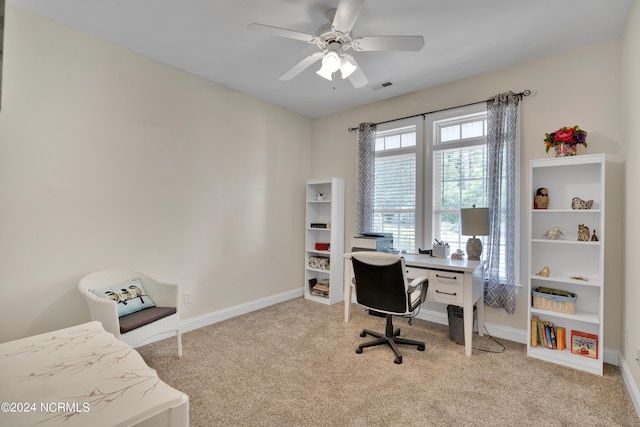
{"type": "Point", "coordinates": [396, 190]}
{"type": "Point", "coordinates": [423, 178]}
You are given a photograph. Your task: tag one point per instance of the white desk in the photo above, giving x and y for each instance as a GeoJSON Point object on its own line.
{"type": "Point", "coordinates": [450, 282]}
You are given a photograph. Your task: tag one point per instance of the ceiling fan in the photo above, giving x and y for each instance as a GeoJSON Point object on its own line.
{"type": "Point", "coordinates": [334, 39]}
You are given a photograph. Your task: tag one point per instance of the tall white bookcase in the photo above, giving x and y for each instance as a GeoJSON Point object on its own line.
{"type": "Point", "coordinates": [583, 176]}
{"type": "Point", "coordinates": [325, 200]}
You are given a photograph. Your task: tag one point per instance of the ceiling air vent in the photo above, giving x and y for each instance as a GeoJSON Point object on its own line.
{"type": "Point", "coordinates": [381, 85]}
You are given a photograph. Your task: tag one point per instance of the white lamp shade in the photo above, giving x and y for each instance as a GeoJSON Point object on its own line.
{"type": "Point", "coordinates": [323, 72]}
{"type": "Point", "coordinates": [474, 221]}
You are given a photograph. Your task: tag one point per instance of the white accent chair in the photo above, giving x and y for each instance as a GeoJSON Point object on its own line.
{"type": "Point", "coordinates": [145, 326]}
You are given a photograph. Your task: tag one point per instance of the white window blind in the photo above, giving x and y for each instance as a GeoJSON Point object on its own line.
{"type": "Point", "coordinates": [395, 191]}
{"type": "Point", "coordinates": [395, 199]}
{"type": "Point", "coordinates": [459, 178]}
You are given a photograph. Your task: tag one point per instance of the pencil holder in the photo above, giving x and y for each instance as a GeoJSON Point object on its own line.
{"type": "Point", "coordinates": [440, 251]}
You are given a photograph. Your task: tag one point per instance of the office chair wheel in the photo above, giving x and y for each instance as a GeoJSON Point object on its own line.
{"type": "Point", "coordinates": [420, 348]}
{"type": "Point", "coordinates": [398, 360]}
{"type": "Point", "coordinates": [359, 350]}
{"type": "Point", "coordinates": [363, 334]}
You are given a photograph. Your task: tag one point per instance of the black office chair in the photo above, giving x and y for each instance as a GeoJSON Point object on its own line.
{"type": "Point", "coordinates": [382, 286]}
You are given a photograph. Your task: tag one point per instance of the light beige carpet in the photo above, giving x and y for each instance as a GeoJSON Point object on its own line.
{"type": "Point", "coordinates": [294, 364]}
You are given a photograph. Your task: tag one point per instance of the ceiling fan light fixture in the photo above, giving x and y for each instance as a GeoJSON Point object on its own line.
{"type": "Point", "coordinates": [324, 73]}
{"type": "Point", "coordinates": [330, 64]}
{"type": "Point", "coordinates": [347, 66]}
{"type": "Point", "coordinates": [331, 61]}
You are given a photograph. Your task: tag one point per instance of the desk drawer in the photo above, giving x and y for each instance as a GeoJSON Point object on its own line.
{"type": "Point", "coordinates": [413, 272]}
{"type": "Point", "coordinates": [446, 287]}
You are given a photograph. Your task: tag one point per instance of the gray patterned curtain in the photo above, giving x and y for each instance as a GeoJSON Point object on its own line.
{"type": "Point", "coordinates": [366, 176]}
{"type": "Point", "coordinates": [503, 139]}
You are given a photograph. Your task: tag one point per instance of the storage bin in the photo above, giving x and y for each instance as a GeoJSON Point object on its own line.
{"type": "Point", "coordinates": [319, 262]}
{"type": "Point", "coordinates": [554, 300]}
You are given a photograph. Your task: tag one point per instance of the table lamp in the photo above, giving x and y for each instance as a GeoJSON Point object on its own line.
{"type": "Point", "coordinates": [475, 222]}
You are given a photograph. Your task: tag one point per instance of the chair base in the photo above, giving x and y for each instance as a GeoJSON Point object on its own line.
{"type": "Point", "coordinates": [390, 338]}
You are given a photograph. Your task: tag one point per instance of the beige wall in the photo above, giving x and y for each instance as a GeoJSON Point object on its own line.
{"type": "Point", "coordinates": [631, 111]}
{"type": "Point", "coordinates": [109, 159]}
{"type": "Point", "coordinates": [578, 87]}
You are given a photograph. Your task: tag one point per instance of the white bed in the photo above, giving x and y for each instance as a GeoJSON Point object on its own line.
{"type": "Point", "coordinates": [83, 376]}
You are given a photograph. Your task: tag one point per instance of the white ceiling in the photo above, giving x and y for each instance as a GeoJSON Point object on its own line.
{"type": "Point", "coordinates": [210, 38]}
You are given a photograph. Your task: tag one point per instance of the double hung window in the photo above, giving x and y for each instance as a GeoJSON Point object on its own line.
{"type": "Point", "coordinates": [426, 171]}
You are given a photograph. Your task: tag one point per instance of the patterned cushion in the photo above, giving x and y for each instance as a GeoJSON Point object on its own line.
{"type": "Point", "coordinates": [130, 296]}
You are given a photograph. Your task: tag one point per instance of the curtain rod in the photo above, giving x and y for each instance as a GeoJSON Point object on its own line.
{"type": "Point", "coordinates": [522, 94]}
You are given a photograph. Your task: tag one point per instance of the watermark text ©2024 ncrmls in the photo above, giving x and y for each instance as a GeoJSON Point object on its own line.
{"type": "Point", "coordinates": [46, 407]}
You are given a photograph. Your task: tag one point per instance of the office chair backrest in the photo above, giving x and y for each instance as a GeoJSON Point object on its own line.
{"type": "Point", "coordinates": [380, 281]}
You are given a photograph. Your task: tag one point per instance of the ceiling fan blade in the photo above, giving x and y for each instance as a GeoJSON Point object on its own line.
{"type": "Point", "coordinates": [357, 78]}
{"type": "Point", "coordinates": [402, 43]}
{"type": "Point", "coordinates": [346, 15]}
{"type": "Point", "coordinates": [282, 32]}
{"type": "Point", "coordinates": [301, 66]}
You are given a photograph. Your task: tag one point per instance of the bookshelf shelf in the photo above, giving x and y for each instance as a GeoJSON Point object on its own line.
{"type": "Point", "coordinates": [578, 316]}
{"type": "Point", "coordinates": [565, 357]}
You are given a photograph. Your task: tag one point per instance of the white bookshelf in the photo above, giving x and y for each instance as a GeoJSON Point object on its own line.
{"type": "Point", "coordinates": [328, 210]}
{"type": "Point", "coordinates": [581, 176]}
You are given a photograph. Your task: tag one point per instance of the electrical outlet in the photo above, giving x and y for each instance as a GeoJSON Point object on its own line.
{"type": "Point", "coordinates": [187, 297]}
{"type": "Point", "coordinates": [626, 338]}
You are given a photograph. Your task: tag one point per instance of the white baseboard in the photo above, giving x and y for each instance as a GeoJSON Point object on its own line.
{"type": "Point", "coordinates": [227, 313]}
{"type": "Point", "coordinates": [497, 331]}
{"type": "Point", "coordinates": [611, 357]}
{"type": "Point", "coordinates": [632, 388]}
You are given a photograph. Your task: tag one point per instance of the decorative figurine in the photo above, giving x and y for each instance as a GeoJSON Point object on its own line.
{"type": "Point", "coordinates": [586, 279]}
{"type": "Point", "coordinates": [541, 200]}
{"type": "Point", "coordinates": [544, 272]}
{"type": "Point", "coordinates": [554, 233]}
{"type": "Point", "coordinates": [319, 197]}
{"type": "Point", "coordinates": [578, 203]}
{"type": "Point", "coordinates": [583, 233]}
{"type": "Point", "coordinates": [594, 238]}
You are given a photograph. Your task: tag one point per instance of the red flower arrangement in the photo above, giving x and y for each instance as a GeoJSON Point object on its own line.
{"type": "Point", "coordinates": [566, 135]}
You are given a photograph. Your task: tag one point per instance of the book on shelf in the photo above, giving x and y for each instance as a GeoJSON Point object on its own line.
{"type": "Point", "coordinates": [584, 344]}
{"type": "Point", "coordinates": [561, 337]}
{"type": "Point", "coordinates": [545, 334]}
{"type": "Point", "coordinates": [319, 287]}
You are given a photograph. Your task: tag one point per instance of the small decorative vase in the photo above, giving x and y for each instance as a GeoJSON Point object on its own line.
{"type": "Point", "coordinates": [564, 150]}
